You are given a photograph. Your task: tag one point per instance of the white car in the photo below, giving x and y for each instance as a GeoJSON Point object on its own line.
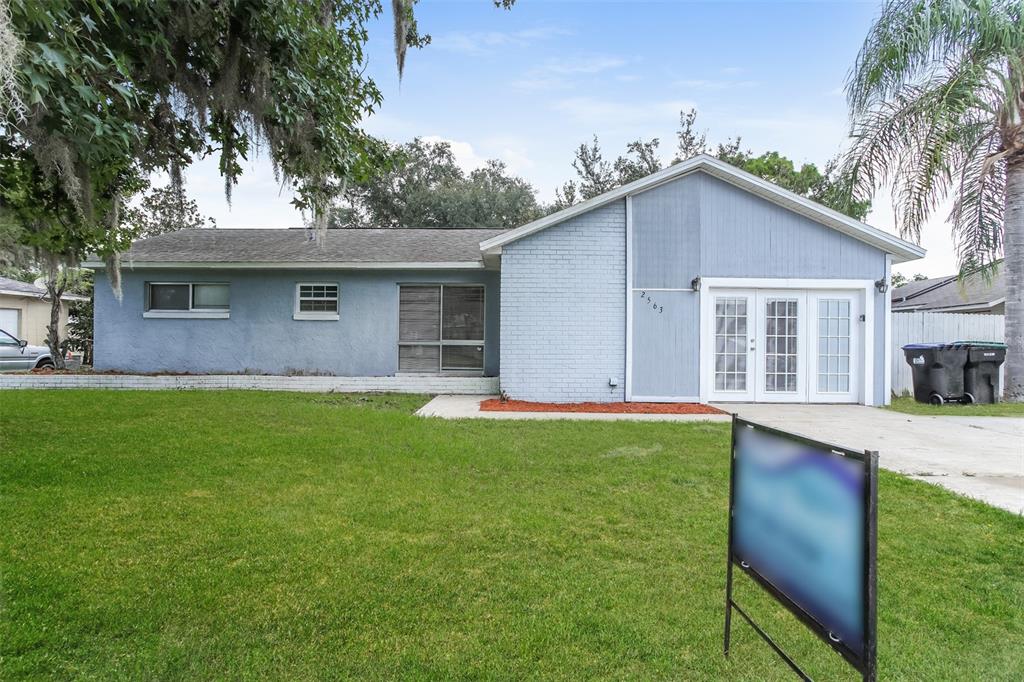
{"type": "Point", "coordinates": [17, 354]}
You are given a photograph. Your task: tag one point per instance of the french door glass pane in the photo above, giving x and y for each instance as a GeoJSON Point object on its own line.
{"type": "Point", "coordinates": [463, 313]}
{"type": "Point", "coordinates": [419, 358]}
{"type": "Point", "coordinates": [419, 313]}
{"type": "Point", "coordinates": [730, 344]}
{"type": "Point", "coordinates": [781, 345]}
{"type": "Point", "coordinates": [833, 345]}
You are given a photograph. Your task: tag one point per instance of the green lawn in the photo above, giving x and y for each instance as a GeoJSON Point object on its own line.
{"type": "Point", "coordinates": [911, 406]}
{"type": "Point", "coordinates": [244, 535]}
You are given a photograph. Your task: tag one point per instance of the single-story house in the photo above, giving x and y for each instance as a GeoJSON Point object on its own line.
{"type": "Point", "coordinates": [975, 294]}
{"type": "Point", "coordinates": [698, 283]}
{"type": "Point", "coordinates": [25, 310]}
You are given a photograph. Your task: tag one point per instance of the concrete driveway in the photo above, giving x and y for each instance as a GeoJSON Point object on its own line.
{"type": "Point", "coordinates": [980, 457]}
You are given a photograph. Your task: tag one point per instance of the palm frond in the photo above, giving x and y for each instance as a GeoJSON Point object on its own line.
{"type": "Point", "coordinates": [977, 215]}
{"type": "Point", "coordinates": [918, 139]}
{"type": "Point", "coordinates": [913, 39]}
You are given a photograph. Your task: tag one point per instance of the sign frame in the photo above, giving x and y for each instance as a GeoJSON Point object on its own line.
{"type": "Point", "coordinates": [863, 661]}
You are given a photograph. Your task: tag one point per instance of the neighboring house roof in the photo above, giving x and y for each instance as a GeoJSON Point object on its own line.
{"type": "Point", "coordinates": [901, 250]}
{"type": "Point", "coordinates": [949, 294]}
{"type": "Point", "coordinates": [297, 248]}
{"type": "Point", "coordinates": [14, 287]}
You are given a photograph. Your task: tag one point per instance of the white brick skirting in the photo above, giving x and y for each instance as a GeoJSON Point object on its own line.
{"type": "Point", "coordinates": [393, 384]}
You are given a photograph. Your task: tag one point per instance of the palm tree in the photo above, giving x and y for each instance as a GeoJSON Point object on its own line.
{"type": "Point", "coordinates": [937, 102]}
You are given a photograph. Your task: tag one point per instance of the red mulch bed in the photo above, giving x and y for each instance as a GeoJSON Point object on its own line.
{"type": "Point", "coordinates": [498, 405]}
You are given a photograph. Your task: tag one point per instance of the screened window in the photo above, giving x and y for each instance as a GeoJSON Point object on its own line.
{"type": "Point", "coordinates": [187, 299]}
{"type": "Point", "coordinates": [441, 328]}
{"type": "Point", "coordinates": [316, 301]}
{"type": "Point", "coordinates": [210, 296]}
{"type": "Point", "coordinates": [169, 296]}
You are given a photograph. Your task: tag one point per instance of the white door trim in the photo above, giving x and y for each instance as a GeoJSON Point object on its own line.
{"type": "Point", "coordinates": [887, 393]}
{"type": "Point", "coordinates": [628, 370]}
{"type": "Point", "coordinates": [707, 321]}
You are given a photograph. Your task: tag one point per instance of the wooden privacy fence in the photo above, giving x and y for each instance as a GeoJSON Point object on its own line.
{"type": "Point", "coordinates": [936, 328]}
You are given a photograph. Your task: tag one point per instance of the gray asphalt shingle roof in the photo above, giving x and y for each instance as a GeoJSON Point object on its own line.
{"type": "Point", "coordinates": [19, 288]}
{"type": "Point", "coordinates": [947, 292]}
{"type": "Point", "coordinates": [8, 284]}
{"type": "Point", "coordinates": [397, 245]}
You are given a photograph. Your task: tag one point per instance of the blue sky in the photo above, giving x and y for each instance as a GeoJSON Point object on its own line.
{"type": "Point", "coordinates": [529, 85]}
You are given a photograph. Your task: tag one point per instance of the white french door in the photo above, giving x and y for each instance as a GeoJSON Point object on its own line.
{"type": "Point", "coordinates": [836, 346]}
{"type": "Point", "coordinates": [732, 371]}
{"type": "Point", "coordinates": [785, 345]}
{"type": "Point", "coordinates": [780, 365]}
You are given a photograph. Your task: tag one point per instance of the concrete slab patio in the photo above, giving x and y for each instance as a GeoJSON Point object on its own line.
{"type": "Point", "coordinates": [468, 407]}
{"type": "Point", "coordinates": [980, 457]}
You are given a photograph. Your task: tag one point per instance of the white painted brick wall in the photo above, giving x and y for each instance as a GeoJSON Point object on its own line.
{"type": "Point", "coordinates": [563, 310]}
{"type": "Point", "coordinates": [392, 384]}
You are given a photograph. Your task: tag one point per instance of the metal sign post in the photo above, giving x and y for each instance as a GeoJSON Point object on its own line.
{"type": "Point", "coordinates": [862, 658]}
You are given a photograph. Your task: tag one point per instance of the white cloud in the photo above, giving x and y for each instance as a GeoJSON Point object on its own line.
{"type": "Point", "coordinates": [732, 70]}
{"type": "Point", "coordinates": [511, 151]}
{"type": "Point", "coordinates": [583, 64]}
{"type": "Point", "coordinates": [482, 42]}
{"type": "Point", "coordinates": [712, 84]}
{"type": "Point", "coordinates": [600, 115]}
{"type": "Point", "coordinates": [389, 126]}
{"type": "Point", "coordinates": [465, 156]}
{"type": "Point", "coordinates": [559, 74]}
{"type": "Point", "coordinates": [936, 236]}
{"type": "Point", "coordinates": [258, 199]}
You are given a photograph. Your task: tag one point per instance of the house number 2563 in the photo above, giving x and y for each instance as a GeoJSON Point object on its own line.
{"type": "Point", "coordinates": [650, 301]}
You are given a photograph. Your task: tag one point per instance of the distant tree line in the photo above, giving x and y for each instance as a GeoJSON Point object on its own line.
{"type": "Point", "coordinates": [595, 175]}
{"type": "Point", "coordinates": [425, 187]}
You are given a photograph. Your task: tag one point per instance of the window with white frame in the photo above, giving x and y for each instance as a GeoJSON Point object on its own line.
{"type": "Point", "coordinates": [187, 299]}
{"type": "Point", "coordinates": [441, 328]}
{"type": "Point", "coordinates": [316, 301]}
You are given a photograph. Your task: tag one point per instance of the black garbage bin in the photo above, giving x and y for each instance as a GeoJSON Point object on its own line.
{"type": "Point", "coordinates": [981, 373]}
{"type": "Point", "coordinates": [938, 370]}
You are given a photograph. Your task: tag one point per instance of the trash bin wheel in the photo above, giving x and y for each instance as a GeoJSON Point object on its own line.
{"type": "Point", "coordinates": [936, 399]}
{"type": "Point", "coordinates": [969, 399]}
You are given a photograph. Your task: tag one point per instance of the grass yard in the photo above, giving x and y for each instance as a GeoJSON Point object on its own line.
{"type": "Point", "coordinates": [244, 535]}
{"type": "Point", "coordinates": [911, 406]}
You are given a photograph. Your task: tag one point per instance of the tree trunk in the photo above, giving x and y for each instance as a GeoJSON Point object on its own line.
{"type": "Point", "coordinates": [55, 291]}
{"type": "Point", "coordinates": [1013, 268]}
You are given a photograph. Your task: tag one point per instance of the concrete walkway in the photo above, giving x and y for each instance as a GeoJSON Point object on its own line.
{"type": "Point", "coordinates": [980, 457]}
{"type": "Point", "coordinates": [468, 407]}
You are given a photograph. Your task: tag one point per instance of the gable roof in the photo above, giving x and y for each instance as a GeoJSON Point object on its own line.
{"type": "Point", "coordinates": [297, 248]}
{"type": "Point", "coordinates": [901, 250]}
{"type": "Point", "coordinates": [14, 287]}
{"type": "Point", "coordinates": [949, 294]}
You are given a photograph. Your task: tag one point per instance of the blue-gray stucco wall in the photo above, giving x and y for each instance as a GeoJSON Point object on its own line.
{"type": "Point", "coordinates": [565, 338]}
{"type": "Point", "coordinates": [260, 336]}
